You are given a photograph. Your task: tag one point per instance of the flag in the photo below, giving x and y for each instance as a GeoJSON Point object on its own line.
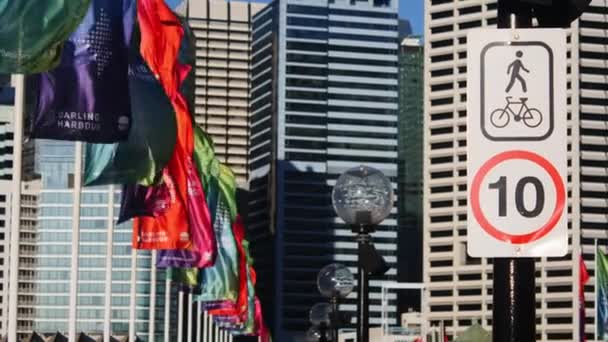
{"type": "Point", "coordinates": [203, 251]}
{"type": "Point", "coordinates": [241, 305]}
{"type": "Point", "coordinates": [151, 141]}
{"type": "Point", "coordinates": [583, 279]}
{"type": "Point", "coordinates": [162, 222]}
{"type": "Point", "coordinates": [262, 329]}
{"type": "Point", "coordinates": [33, 32]}
{"type": "Point", "coordinates": [601, 274]}
{"type": "Point", "coordinates": [86, 97]}
{"type": "Point", "coordinates": [161, 36]}
{"type": "Point", "coordinates": [184, 276]}
{"type": "Point", "coordinates": [220, 282]}
{"type": "Point", "coordinates": [213, 171]}
{"type": "Point", "coordinates": [177, 258]}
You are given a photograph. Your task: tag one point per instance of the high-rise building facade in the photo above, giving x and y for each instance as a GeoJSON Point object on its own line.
{"type": "Point", "coordinates": [324, 98]}
{"type": "Point", "coordinates": [223, 50]}
{"type": "Point", "coordinates": [411, 117]}
{"type": "Point", "coordinates": [30, 191]}
{"type": "Point", "coordinates": [460, 287]}
{"type": "Point", "coordinates": [55, 164]}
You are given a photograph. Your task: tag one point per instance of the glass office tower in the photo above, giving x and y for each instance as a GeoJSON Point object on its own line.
{"type": "Point", "coordinates": [411, 120]}
{"type": "Point", "coordinates": [55, 164]}
{"type": "Point", "coordinates": [324, 98]}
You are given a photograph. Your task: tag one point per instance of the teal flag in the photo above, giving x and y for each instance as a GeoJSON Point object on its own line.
{"type": "Point", "coordinates": [149, 147]}
{"type": "Point", "coordinates": [601, 272]}
{"type": "Point", "coordinates": [221, 281]}
{"type": "Point", "coordinates": [32, 32]}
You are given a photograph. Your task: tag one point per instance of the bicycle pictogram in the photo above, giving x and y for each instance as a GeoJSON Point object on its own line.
{"type": "Point", "coordinates": [501, 117]}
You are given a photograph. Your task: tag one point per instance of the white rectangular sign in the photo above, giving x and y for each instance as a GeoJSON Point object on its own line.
{"type": "Point", "coordinates": [516, 143]}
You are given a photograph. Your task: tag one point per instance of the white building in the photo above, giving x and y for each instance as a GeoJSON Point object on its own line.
{"type": "Point", "coordinates": [30, 192]}
{"type": "Point", "coordinates": [460, 287]}
{"type": "Point", "coordinates": [223, 52]}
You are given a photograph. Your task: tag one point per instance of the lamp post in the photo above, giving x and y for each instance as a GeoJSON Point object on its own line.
{"type": "Point", "coordinates": [334, 281]}
{"type": "Point", "coordinates": [363, 197]}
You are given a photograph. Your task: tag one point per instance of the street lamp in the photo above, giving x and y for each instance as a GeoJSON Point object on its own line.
{"type": "Point", "coordinates": [363, 197]}
{"type": "Point", "coordinates": [335, 281]}
{"type": "Point", "coordinates": [320, 317]}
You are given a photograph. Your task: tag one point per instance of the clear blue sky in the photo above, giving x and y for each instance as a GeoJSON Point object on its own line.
{"type": "Point", "coordinates": [413, 10]}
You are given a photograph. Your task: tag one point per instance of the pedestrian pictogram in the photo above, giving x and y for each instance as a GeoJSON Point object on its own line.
{"type": "Point", "coordinates": [515, 70]}
{"type": "Point", "coordinates": [516, 143]}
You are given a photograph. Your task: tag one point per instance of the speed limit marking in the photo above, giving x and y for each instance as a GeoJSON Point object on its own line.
{"type": "Point", "coordinates": [517, 143]}
{"type": "Point", "coordinates": [558, 207]}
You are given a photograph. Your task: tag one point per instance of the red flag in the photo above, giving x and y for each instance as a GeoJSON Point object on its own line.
{"type": "Point", "coordinates": [583, 279]}
{"type": "Point", "coordinates": [161, 37]}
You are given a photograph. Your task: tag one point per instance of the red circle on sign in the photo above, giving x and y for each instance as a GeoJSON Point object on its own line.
{"type": "Point", "coordinates": [559, 202]}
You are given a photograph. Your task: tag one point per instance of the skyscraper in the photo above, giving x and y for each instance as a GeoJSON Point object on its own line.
{"type": "Point", "coordinates": [411, 88]}
{"type": "Point", "coordinates": [223, 49]}
{"type": "Point", "coordinates": [460, 287]}
{"type": "Point", "coordinates": [55, 164]}
{"type": "Point", "coordinates": [324, 98]}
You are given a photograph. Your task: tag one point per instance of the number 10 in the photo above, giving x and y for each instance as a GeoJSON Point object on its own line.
{"type": "Point", "coordinates": [501, 185]}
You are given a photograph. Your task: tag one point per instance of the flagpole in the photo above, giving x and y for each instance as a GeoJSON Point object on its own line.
{"type": "Point", "coordinates": [199, 321]}
{"type": "Point", "coordinates": [180, 315]}
{"type": "Point", "coordinates": [133, 299]}
{"type": "Point", "coordinates": [75, 240]}
{"type": "Point", "coordinates": [167, 305]}
{"type": "Point", "coordinates": [595, 290]}
{"type": "Point", "coordinates": [13, 285]}
{"type": "Point", "coordinates": [190, 320]}
{"type": "Point", "coordinates": [107, 314]}
{"type": "Point", "coordinates": [206, 326]}
{"type": "Point", "coordinates": [152, 322]}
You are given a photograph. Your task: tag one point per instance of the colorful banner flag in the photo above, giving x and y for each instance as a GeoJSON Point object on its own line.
{"type": "Point", "coordinates": [583, 279]}
{"type": "Point", "coordinates": [220, 282]}
{"type": "Point", "coordinates": [86, 98]}
{"type": "Point", "coordinates": [212, 169]}
{"type": "Point", "coordinates": [161, 34]}
{"type": "Point", "coordinates": [151, 142]}
{"type": "Point", "coordinates": [163, 223]}
{"type": "Point", "coordinates": [33, 32]}
{"type": "Point", "coordinates": [601, 273]}
{"type": "Point", "coordinates": [183, 276]}
{"type": "Point", "coordinates": [241, 307]}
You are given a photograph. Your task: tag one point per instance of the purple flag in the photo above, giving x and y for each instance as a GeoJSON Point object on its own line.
{"type": "Point", "coordinates": [86, 98]}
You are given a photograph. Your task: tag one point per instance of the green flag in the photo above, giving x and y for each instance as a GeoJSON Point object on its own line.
{"type": "Point", "coordinates": [149, 147]}
{"type": "Point", "coordinates": [33, 32]}
{"type": "Point", "coordinates": [211, 170]}
{"type": "Point", "coordinates": [601, 273]}
{"type": "Point", "coordinates": [184, 276]}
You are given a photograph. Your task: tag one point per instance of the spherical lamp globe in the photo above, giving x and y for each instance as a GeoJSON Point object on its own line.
{"type": "Point", "coordinates": [320, 313]}
{"type": "Point", "coordinates": [363, 196]}
{"type": "Point", "coordinates": [314, 334]}
{"type": "Point", "coordinates": [335, 280]}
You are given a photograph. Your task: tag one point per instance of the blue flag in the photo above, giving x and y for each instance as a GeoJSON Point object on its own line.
{"type": "Point", "coordinates": [86, 98]}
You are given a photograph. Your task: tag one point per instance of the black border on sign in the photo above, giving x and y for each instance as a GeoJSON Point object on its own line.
{"type": "Point", "coordinates": [551, 92]}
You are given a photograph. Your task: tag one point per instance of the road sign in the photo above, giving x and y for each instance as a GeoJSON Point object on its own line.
{"type": "Point", "coordinates": [516, 143]}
